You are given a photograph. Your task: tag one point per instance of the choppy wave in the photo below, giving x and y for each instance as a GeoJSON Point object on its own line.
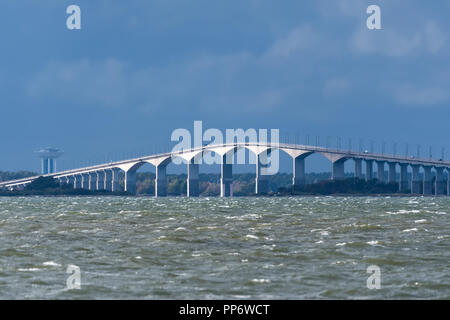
{"type": "Point", "coordinates": [257, 248]}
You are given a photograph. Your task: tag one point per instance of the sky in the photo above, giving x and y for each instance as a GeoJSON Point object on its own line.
{"type": "Point", "coordinates": [139, 69]}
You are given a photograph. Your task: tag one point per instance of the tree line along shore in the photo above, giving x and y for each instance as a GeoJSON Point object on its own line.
{"type": "Point", "coordinates": [243, 185]}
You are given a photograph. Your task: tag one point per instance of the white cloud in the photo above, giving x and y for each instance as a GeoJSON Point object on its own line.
{"type": "Point", "coordinates": [100, 83]}
{"type": "Point", "coordinates": [299, 40]}
{"type": "Point", "coordinates": [435, 39]}
{"type": "Point", "coordinates": [242, 81]}
{"type": "Point", "coordinates": [428, 39]}
{"type": "Point", "coordinates": [421, 96]}
{"type": "Point", "coordinates": [198, 83]}
{"type": "Point", "coordinates": [336, 87]}
{"type": "Point", "coordinates": [346, 8]}
{"type": "Point", "coordinates": [292, 68]}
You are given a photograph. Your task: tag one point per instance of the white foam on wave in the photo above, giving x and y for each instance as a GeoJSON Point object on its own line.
{"type": "Point", "coordinates": [28, 269]}
{"type": "Point", "coordinates": [207, 228]}
{"type": "Point", "coordinates": [420, 221]}
{"type": "Point", "coordinates": [410, 230]}
{"type": "Point", "coordinates": [260, 280]}
{"type": "Point", "coordinates": [403, 212]}
{"type": "Point", "coordinates": [51, 264]}
{"type": "Point", "coordinates": [320, 230]}
{"type": "Point", "coordinates": [252, 215]}
{"type": "Point", "coordinates": [250, 236]}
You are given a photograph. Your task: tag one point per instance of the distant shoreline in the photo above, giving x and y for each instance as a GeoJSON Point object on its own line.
{"type": "Point", "coordinates": [350, 187]}
{"type": "Point", "coordinates": [11, 194]}
{"type": "Point", "coordinates": [62, 194]}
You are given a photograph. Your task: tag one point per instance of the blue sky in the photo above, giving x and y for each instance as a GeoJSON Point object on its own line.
{"type": "Point", "coordinates": [140, 69]}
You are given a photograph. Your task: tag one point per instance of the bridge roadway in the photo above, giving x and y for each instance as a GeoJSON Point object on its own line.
{"type": "Point", "coordinates": [106, 176]}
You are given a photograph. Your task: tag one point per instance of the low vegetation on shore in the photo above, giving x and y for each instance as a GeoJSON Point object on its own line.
{"type": "Point", "coordinates": [209, 185]}
{"type": "Point", "coordinates": [47, 186]}
{"type": "Point", "coordinates": [347, 186]}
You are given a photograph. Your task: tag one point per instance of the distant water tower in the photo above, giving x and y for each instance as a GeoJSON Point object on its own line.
{"type": "Point", "coordinates": [48, 159]}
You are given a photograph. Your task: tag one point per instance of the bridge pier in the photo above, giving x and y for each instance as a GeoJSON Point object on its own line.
{"type": "Point", "coordinates": [192, 179]}
{"type": "Point", "coordinates": [298, 171]}
{"type": "Point", "coordinates": [262, 180]}
{"type": "Point", "coordinates": [415, 181]}
{"type": "Point", "coordinates": [226, 178]}
{"type": "Point", "coordinates": [337, 170]}
{"type": "Point", "coordinates": [358, 168]}
{"type": "Point", "coordinates": [100, 180]}
{"type": "Point", "coordinates": [92, 181]}
{"type": "Point", "coordinates": [108, 180]}
{"type": "Point", "coordinates": [85, 181]}
{"type": "Point", "coordinates": [369, 170]}
{"type": "Point", "coordinates": [161, 181]}
{"type": "Point", "coordinates": [130, 182]}
{"type": "Point", "coordinates": [63, 180]}
{"type": "Point", "coordinates": [439, 187]}
{"type": "Point", "coordinates": [71, 181]}
{"type": "Point", "coordinates": [403, 178]}
{"type": "Point", "coordinates": [448, 181]}
{"type": "Point", "coordinates": [77, 181]}
{"type": "Point", "coordinates": [427, 181]}
{"type": "Point", "coordinates": [18, 187]}
{"type": "Point", "coordinates": [380, 172]}
{"type": "Point", "coordinates": [115, 180]}
{"type": "Point", "coordinates": [392, 173]}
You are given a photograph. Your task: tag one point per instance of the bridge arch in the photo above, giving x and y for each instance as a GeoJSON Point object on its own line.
{"type": "Point", "coordinates": [160, 164]}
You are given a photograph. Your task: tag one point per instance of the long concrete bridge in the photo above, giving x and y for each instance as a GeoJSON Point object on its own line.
{"type": "Point", "coordinates": [106, 176]}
